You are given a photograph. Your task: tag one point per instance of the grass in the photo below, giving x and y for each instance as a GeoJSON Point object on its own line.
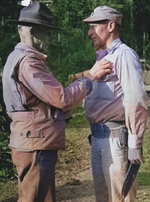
{"type": "Point", "coordinates": [144, 172]}
{"type": "Point", "coordinates": [76, 158]}
{"type": "Point", "coordinates": [143, 177]}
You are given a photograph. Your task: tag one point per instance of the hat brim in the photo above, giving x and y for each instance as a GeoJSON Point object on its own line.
{"type": "Point", "coordinates": [42, 23]}
{"type": "Point", "coordinates": [94, 19]}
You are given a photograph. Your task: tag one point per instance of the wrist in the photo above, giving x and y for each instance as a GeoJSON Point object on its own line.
{"type": "Point", "coordinates": [90, 76]}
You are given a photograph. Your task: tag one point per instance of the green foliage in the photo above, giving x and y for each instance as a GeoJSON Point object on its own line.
{"type": "Point", "coordinates": [79, 118]}
{"type": "Point", "coordinates": [8, 38]}
{"type": "Point", "coordinates": [143, 177]}
{"type": "Point", "coordinates": [141, 28]}
{"type": "Point", "coordinates": [4, 119]}
{"type": "Point", "coordinates": [6, 166]}
{"type": "Point", "coordinates": [7, 45]}
{"type": "Point", "coordinates": [9, 10]}
{"type": "Point", "coordinates": [70, 14]}
{"type": "Point", "coordinates": [70, 50]}
{"type": "Point", "coordinates": [74, 54]}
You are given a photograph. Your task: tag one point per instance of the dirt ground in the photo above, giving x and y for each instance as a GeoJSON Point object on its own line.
{"type": "Point", "coordinates": [78, 189]}
{"type": "Point", "coordinates": [76, 185]}
{"type": "Point", "coordinates": [73, 175]}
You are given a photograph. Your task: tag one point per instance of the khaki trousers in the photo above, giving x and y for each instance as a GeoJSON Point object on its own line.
{"type": "Point", "coordinates": [36, 175]}
{"type": "Point", "coordinates": [109, 166]}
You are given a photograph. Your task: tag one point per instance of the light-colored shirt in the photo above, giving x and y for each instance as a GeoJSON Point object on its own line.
{"type": "Point", "coordinates": [120, 95]}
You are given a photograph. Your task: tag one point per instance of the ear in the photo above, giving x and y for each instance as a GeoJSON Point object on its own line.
{"type": "Point", "coordinates": [111, 26]}
{"type": "Point", "coordinates": [32, 31]}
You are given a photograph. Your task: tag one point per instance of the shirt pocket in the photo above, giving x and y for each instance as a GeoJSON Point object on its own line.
{"type": "Point", "coordinates": [104, 90]}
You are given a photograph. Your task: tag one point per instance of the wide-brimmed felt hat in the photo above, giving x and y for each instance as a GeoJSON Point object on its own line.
{"type": "Point", "coordinates": [35, 14]}
{"type": "Point", "coordinates": [105, 13]}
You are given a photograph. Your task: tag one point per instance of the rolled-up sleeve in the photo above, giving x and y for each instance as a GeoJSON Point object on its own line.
{"type": "Point", "coordinates": [135, 100]}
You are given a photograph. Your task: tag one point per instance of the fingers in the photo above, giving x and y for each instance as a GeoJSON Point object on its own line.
{"type": "Point", "coordinates": [101, 68]}
{"type": "Point", "coordinates": [136, 161]}
{"type": "Point", "coordinates": [135, 155]}
{"type": "Point", "coordinates": [105, 63]}
{"type": "Point", "coordinates": [104, 67]}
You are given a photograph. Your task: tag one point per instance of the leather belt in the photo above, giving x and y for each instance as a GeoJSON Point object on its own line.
{"type": "Point", "coordinates": [114, 124]}
{"type": "Point", "coordinates": [107, 130]}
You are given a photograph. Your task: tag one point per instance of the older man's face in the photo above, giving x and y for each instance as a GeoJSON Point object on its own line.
{"type": "Point", "coordinates": [41, 38]}
{"type": "Point", "coordinates": [99, 35]}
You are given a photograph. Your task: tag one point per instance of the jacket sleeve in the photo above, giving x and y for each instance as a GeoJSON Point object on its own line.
{"type": "Point", "coordinates": [35, 75]}
{"type": "Point", "coordinates": [135, 100]}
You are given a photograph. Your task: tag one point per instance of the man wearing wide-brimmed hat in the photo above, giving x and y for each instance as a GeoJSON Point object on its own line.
{"type": "Point", "coordinates": [35, 102]}
{"type": "Point", "coordinates": [118, 99]}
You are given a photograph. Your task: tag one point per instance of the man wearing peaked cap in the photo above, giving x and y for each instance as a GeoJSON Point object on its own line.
{"type": "Point", "coordinates": [105, 13]}
{"type": "Point", "coordinates": [36, 103]}
{"type": "Point", "coordinates": [118, 100]}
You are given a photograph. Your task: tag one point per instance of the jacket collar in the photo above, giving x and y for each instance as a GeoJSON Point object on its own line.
{"type": "Point", "coordinates": [29, 49]}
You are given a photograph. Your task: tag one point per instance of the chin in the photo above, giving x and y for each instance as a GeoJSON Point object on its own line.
{"type": "Point", "coordinates": [96, 46]}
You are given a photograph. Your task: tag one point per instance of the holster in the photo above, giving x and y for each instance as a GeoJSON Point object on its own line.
{"type": "Point", "coordinates": [90, 138]}
{"type": "Point", "coordinates": [124, 137]}
{"type": "Point", "coordinates": [124, 144]}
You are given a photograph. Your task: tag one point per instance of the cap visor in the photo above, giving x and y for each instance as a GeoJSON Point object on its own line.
{"type": "Point", "coordinates": [94, 19]}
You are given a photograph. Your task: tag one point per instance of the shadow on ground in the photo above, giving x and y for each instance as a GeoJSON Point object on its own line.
{"type": "Point", "coordinates": [72, 192]}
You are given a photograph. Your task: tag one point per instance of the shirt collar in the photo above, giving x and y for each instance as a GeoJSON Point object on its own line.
{"type": "Point", "coordinates": [102, 53]}
{"type": "Point", "coordinates": [26, 48]}
{"type": "Point", "coordinates": [113, 45]}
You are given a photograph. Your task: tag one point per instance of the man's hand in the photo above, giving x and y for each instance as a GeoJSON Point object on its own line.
{"type": "Point", "coordinates": [100, 69]}
{"type": "Point", "coordinates": [135, 156]}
